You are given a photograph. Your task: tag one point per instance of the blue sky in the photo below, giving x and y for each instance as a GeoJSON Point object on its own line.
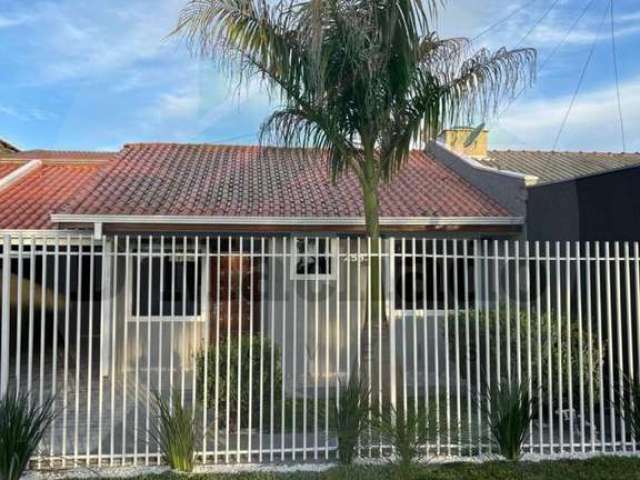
{"type": "Point", "coordinates": [95, 75]}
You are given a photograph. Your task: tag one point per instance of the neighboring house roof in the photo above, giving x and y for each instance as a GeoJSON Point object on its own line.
{"type": "Point", "coordinates": [557, 166]}
{"type": "Point", "coordinates": [27, 203]}
{"type": "Point", "coordinates": [7, 147]}
{"type": "Point", "coordinates": [64, 156]}
{"type": "Point", "coordinates": [246, 181]}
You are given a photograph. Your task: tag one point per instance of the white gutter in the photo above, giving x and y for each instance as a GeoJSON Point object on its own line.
{"type": "Point", "coordinates": [290, 221]}
{"type": "Point", "coordinates": [18, 173]}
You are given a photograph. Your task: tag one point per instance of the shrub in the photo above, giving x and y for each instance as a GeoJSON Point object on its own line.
{"type": "Point", "coordinates": [351, 417]}
{"type": "Point", "coordinates": [407, 432]}
{"type": "Point", "coordinates": [629, 403]}
{"type": "Point", "coordinates": [21, 429]}
{"type": "Point", "coordinates": [241, 355]}
{"type": "Point", "coordinates": [508, 411]}
{"type": "Point", "coordinates": [548, 340]}
{"type": "Point", "coordinates": [175, 433]}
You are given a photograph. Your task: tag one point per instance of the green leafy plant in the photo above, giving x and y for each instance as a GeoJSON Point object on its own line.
{"type": "Point", "coordinates": [628, 403]}
{"type": "Point", "coordinates": [351, 417]}
{"type": "Point", "coordinates": [175, 432]}
{"type": "Point", "coordinates": [240, 354]}
{"type": "Point", "coordinates": [407, 432]}
{"type": "Point", "coordinates": [508, 410]}
{"type": "Point", "coordinates": [21, 429]}
{"type": "Point", "coordinates": [553, 338]}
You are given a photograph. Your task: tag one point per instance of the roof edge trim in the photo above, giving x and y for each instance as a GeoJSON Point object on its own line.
{"type": "Point", "coordinates": [293, 221]}
{"type": "Point", "coordinates": [19, 173]}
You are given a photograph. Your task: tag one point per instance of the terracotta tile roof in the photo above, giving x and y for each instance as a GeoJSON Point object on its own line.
{"type": "Point", "coordinates": [217, 180]}
{"type": "Point", "coordinates": [557, 166]}
{"type": "Point", "coordinates": [28, 203]}
{"type": "Point", "coordinates": [7, 167]}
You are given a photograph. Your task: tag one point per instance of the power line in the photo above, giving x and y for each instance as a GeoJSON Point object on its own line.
{"type": "Point", "coordinates": [551, 55]}
{"type": "Point", "coordinates": [503, 20]}
{"type": "Point", "coordinates": [580, 80]}
{"type": "Point", "coordinates": [615, 70]}
{"type": "Point", "coordinates": [535, 25]}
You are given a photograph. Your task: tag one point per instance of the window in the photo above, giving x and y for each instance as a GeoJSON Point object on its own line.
{"type": "Point", "coordinates": [420, 277]}
{"type": "Point", "coordinates": [180, 288]}
{"type": "Point", "coordinates": [312, 258]}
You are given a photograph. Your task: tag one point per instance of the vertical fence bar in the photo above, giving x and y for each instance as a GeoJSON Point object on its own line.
{"type": "Point", "coordinates": [467, 339]}
{"type": "Point", "coordinates": [239, 360]}
{"type": "Point", "coordinates": [161, 302]}
{"type": "Point", "coordinates": [316, 337]}
{"type": "Point", "coordinates": [549, 341]}
{"type": "Point", "coordinates": [262, 300]}
{"type": "Point", "coordinates": [619, 347]}
{"type": "Point", "coordinates": [592, 420]}
{"type": "Point", "coordinates": [539, 348]}
{"type": "Point", "coordinates": [284, 341]}
{"type": "Point", "coordinates": [207, 340]}
{"type": "Point", "coordinates": [6, 291]}
{"type": "Point", "coordinates": [32, 293]}
{"type": "Point", "coordinates": [92, 287]}
{"type": "Point", "coordinates": [136, 388]}
{"type": "Point", "coordinates": [578, 261]}
{"type": "Point", "coordinates": [305, 358]}
{"type": "Point", "coordinates": [65, 365]}
{"type": "Point", "coordinates": [294, 335]}
{"type": "Point", "coordinates": [487, 331]}
{"type": "Point", "coordinates": [425, 333]}
{"type": "Point", "coordinates": [403, 276]}
{"type": "Point", "coordinates": [477, 304]}
{"type": "Point", "coordinates": [456, 330]}
{"type": "Point", "coordinates": [150, 283]}
{"type": "Point", "coordinates": [447, 373]}
{"type": "Point", "coordinates": [218, 342]}
{"type": "Point", "coordinates": [78, 336]}
{"type": "Point", "coordinates": [272, 359]}
{"type": "Point", "coordinates": [568, 329]}
{"type": "Point", "coordinates": [628, 318]}
{"type": "Point", "coordinates": [600, 346]}
{"type": "Point", "coordinates": [328, 254]}
{"type": "Point", "coordinates": [611, 360]}
{"type": "Point", "coordinates": [113, 331]}
{"type": "Point", "coordinates": [558, 289]}
{"type": "Point", "coordinates": [19, 314]}
{"type": "Point", "coordinates": [369, 347]}
{"type": "Point", "coordinates": [250, 411]}
{"type": "Point", "coordinates": [436, 359]}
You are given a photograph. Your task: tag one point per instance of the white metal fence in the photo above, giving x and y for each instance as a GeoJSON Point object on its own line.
{"type": "Point", "coordinates": [258, 334]}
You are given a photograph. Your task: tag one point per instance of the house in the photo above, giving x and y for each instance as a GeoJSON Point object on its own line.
{"type": "Point", "coordinates": [570, 195]}
{"type": "Point", "coordinates": [136, 202]}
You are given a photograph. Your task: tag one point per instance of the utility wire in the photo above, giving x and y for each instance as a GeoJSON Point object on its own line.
{"type": "Point", "coordinates": [550, 56]}
{"type": "Point", "coordinates": [614, 54]}
{"type": "Point", "coordinates": [535, 25]}
{"type": "Point", "coordinates": [580, 80]}
{"type": "Point", "coordinates": [503, 20]}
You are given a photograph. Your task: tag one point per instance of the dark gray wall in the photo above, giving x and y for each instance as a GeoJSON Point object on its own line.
{"type": "Point", "coordinates": [598, 207]}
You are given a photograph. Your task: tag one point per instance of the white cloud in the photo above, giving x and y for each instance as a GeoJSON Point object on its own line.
{"type": "Point", "coordinates": [84, 42]}
{"type": "Point", "coordinates": [592, 125]}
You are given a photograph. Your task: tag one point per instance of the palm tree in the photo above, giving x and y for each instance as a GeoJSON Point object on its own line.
{"type": "Point", "coordinates": [361, 80]}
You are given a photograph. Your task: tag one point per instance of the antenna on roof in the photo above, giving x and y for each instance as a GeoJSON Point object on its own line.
{"type": "Point", "coordinates": [473, 135]}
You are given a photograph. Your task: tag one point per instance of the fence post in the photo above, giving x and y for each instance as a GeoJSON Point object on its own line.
{"type": "Point", "coordinates": [6, 289]}
{"type": "Point", "coordinates": [392, 325]}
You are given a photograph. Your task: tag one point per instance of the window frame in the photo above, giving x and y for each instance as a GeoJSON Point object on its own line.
{"type": "Point", "coordinates": [332, 258]}
{"type": "Point", "coordinates": [195, 318]}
